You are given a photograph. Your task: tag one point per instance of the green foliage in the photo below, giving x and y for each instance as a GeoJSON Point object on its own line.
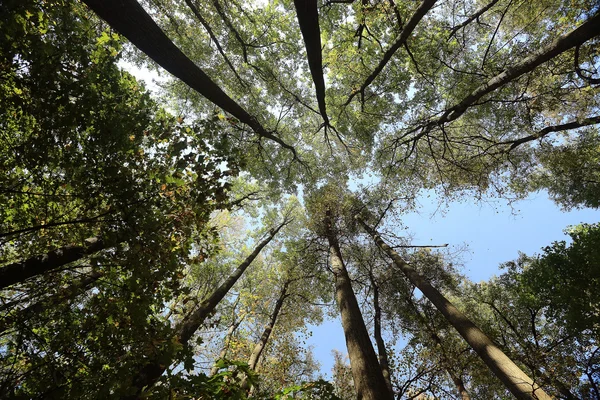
{"type": "Point", "coordinates": [566, 278]}
{"type": "Point", "coordinates": [316, 390]}
{"type": "Point", "coordinates": [86, 152]}
{"type": "Point", "coordinates": [570, 172]}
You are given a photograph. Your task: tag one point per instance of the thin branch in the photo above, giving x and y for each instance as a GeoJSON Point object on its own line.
{"type": "Point", "coordinates": [214, 38]}
{"type": "Point", "coordinates": [425, 6]}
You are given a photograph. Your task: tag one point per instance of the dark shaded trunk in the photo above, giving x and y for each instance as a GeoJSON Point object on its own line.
{"type": "Point", "coordinates": [381, 351]}
{"type": "Point", "coordinates": [515, 380]}
{"type": "Point", "coordinates": [130, 19]}
{"type": "Point", "coordinates": [22, 270]}
{"type": "Point", "coordinates": [308, 19]}
{"type": "Point", "coordinates": [152, 371]}
{"type": "Point", "coordinates": [63, 295]}
{"type": "Point", "coordinates": [366, 372]}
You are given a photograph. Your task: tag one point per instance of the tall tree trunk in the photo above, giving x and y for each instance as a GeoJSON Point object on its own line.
{"type": "Point", "coordinates": [308, 19]}
{"type": "Point", "coordinates": [152, 371]}
{"type": "Point", "coordinates": [264, 338]}
{"type": "Point", "coordinates": [22, 270]}
{"type": "Point", "coordinates": [130, 19]}
{"type": "Point", "coordinates": [381, 351]}
{"type": "Point", "coordinates": [515, 380]}
{"type": "Point", "coordinates": [229, 335]}
{"type": "Point", "coordinates": [366, 372]}
{"type": "Point", "coordinates": [65, 294]}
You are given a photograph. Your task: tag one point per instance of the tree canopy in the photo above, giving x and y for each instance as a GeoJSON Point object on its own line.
{"type": "Point", "coordinates": [180, 245]}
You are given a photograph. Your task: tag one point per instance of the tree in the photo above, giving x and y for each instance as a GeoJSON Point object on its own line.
{"type": "Point", "coordinates": [327, 214]}
{"type": "Point", "coordinates": [86, 155]}
{"type": "Point", "coordinates": [497, 97]}
{"type": "Point", "coordinates": [568, 272]}
{"type": "Point", "coordinates": [516, 381]}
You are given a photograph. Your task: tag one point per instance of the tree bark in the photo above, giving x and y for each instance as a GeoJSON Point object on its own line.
{"type": "Point", "coordinates": [447, 365]}
{"type": "Point", "coordinates": [308, 19]}
{"type": "Point", "coordinates": [381, 350]}
{"type": "Point", "coordinates": [65, 294]}
{"type": "Point", "coordinates": [264, 338]}
{"type": "Point", "coordinates": [130, 19]}
{"type": "Point", "coordinates": [22, 270]}
{"type": "Point", "coordinates": [366, 372]}
{"type": "Point", "coordinates": [153, 370]}
{"type": "Point", "coordinates": [515, 380]}
{"type": "Point", "coordinates": [234, 325]}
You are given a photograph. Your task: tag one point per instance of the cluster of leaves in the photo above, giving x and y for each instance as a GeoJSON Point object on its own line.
{"type": "Point", "coordinates": [88, 153]}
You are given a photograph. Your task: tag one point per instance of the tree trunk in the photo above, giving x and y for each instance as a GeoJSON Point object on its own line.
{"type": "Point", "coordinates": [308, 19]}
{"type": "Point", "coordinates": [259, 347]}
{"type": "Point", "coordinates": [223, 352]}
{"type": "Point", "coordinates": [366, 372]}
{"type": "Point", "coordinates": [456, 378]}
{"type": "Point", "coordinates": [130, 19]}
{"type": "Point", "coordinates": [153, 370]}
{"type": "Point", "coordinates": [381, 351]}
{"type": "Point", "coordinates": [234, 325]}
{"type": "Point", "coordinates": [515, 380]}
{"type": "Point", "coordinates": [65, 294]}
{"type": "Point", "coordinates": [22, 270]}
{"type": "Point", "coordinates": [460, 386]}
{"type": "Point", "coordinates": [264, 338]}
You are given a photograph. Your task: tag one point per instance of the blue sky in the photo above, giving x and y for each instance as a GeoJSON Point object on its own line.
{"type": "Point", "coordinates": [494, 233]}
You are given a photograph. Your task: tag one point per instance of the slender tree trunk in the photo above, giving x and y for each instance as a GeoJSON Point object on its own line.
{"type": "Point", "coordinates": [264, 338]}
{"type": "Point", "coordinates": [22, 270]}
{"type": "Point", "coordinates": [366, 372]}
{"type": "Point", "coordinates": [515, 380]}
{"type": "Point", "coordinates": [223, 352]}
{"type": "Point", "coordinates": [460, 386]}
{"type": "Point", "coordinates": [229, 335]}
{"type": "Point", "coordinates": [456, 378]}
{"type": "Point", "coordinates": [260, 346]}
{"type": "Point", "coordinates": [65, 294]}
{"type": "Point", "coordinates": [381, 350]}
{"type": "Point", "coordinates": [152, 371]}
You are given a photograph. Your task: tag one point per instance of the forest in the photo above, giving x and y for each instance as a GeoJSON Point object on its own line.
{"type": "Point", "coordinates": [182, 243]}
